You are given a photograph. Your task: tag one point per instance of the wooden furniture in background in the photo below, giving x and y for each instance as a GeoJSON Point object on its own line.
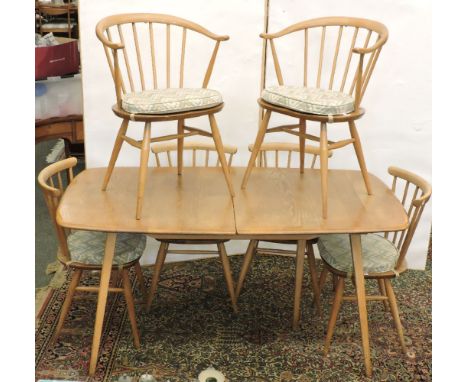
{"type": "Point", "coordinates": [196, 206]}
{"type": "Point", "coordinates": [69, 128]}
{"type": "Point", "coordinates": [47, 10]}
{"type": "Point", "coordinates": [165, 150]}
{"type": "Point", "coordinates": [414, 193]}
{"type": "Point", "coordinates": [281, 155]}
{"type": "Point", "coordinates": [52, 182]}
{"type": "Point", "coordinates": [107, 31]}
{"type": "Point", "coordinates": [355, 77]}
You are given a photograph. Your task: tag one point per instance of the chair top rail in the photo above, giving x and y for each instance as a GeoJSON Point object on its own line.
{"type": "Point", "coordinates": [337, 21]}
{"type": "Point", "coordinates": [416, 179]}
{"type": "Point", "coordinates": [53, 169]}
{"type": "Point", "coordinates": [127, 18]}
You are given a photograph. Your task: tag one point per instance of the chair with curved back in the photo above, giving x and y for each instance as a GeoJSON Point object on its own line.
{"type": "Point", "coordinates": [162, 152]}
{"type": "Point", "coordinates": [282, 155]}
{"type": "Point", "coordinates": [152, 102]}
{"type": "Point", "coordinates": [343, 73]}
{"type": "Point", "coordinates": [383, 256]}
{"type": "Point", "coordinates": [82, 251]}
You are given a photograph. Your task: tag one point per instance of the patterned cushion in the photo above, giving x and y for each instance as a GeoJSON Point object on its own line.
{"type": "Point", "coordinates": [162, 101]}
{"type": "Point", "coordinates": [378, 254]}
{"type": "Point", "coordinates": [87, 247]}
{"type": "Point", "coordinates": [309, 100]}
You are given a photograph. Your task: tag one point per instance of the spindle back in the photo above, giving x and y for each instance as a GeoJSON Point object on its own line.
{"type": "Point", "coordinates": [347, 50]}
{"type": "Point", "coordinates": [122, 37]}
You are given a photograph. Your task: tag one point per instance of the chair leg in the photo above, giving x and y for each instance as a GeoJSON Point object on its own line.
{"type": "Point", "coordinates": [323, 278]}
{"type": "Point", "coordinates": [335, 282]}
{"type": "Point", "coordinates": [141, 280]}
{"type": "Point", "coordinates": [127, 286]}
{"type": "Point", "coordinates": [180, 146]}
{"type": "Point", "coordinates": [258, 143]}
{"type": "Point", "coordinates": [383, 292]}
{"type": "Point", "coordinates": [324, 167]}
{"type": "Point", "coordinates": [302, 131]}
{"type": "Point", "coordinates": [145, 149]}
{"type": "Point", "coordinates": [115, 153]}
{"type": "Point", "coordinates": [220, 149]}
{"type": "Point", "coordinates": [227, 275]}
{"type": "Point", "coordinates": [68, 300]}
{"type": "Point", "coordinates": [334, 313]}
{"type": "Point", "coordinates": [360, 155]}
{"type": "Point", "coordinates": [298, 287]}
{"type": "Point", "coordinates": [163, 247]}
{"type": "Point", "coordinates": [395, 314]}
{"type": "Point", "coordinates": [313, 276]}
{"type": "Point", "coordinates": [251, 249]}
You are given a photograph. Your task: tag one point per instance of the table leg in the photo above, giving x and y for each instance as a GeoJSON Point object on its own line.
{"type": "Point", "coordinates": [356, 251]}
{"type": "Point", "coordinates": [102, 299]}
{"type": "Point", "coordinates": [301, 244]}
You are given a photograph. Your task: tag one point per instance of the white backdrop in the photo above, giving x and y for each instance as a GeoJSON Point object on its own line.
{"type": "Point", "coordinates": [396, 129]}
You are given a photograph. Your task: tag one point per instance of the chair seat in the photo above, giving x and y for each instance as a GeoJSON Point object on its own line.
{"type": "Point", "coordinates": [378, 254]}
{"type": "Point", "coordinates": [87, 247]}
{"type": "Point", "coordinates": [309, 100]}
{"type": "Point", "coordinates": [163, 101]}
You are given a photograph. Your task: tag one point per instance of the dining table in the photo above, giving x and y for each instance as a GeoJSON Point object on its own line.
{"type": "Point", "coordinates": [277, 204]}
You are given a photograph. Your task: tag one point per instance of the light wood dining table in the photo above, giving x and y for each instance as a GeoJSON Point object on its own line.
{"type": "Point", "coordinates": [278, 204]}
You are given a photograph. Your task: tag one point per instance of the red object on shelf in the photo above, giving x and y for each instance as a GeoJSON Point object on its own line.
{"type": "Point", "coordinates": [57, 60]}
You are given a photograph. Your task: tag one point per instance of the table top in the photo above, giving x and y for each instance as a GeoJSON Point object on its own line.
{"type": "Point", "coordinates": [276, 202]}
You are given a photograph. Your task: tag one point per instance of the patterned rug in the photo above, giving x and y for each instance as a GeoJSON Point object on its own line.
{"type": "Point", "coordinates": [191, 327]}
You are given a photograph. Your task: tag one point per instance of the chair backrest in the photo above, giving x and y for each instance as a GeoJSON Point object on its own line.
{"type": "Point", "coordinates": [413, 192]}
{"type": "Point", "coordinates": [282, 154]}
{"type": "Point", "coordinates": [52, 182]}
{"type": "Point", "coordinates": [120, 36]}
{"type": "Point", "coordinates": [347, 50]}
{"type": "Point", "coordinates": [164, 153]}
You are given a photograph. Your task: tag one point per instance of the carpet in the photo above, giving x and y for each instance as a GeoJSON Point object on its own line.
{"type": "Point", "coordinates": [191, 327]}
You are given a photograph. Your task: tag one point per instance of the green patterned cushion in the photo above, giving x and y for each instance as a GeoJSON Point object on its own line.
{"type": "Point", "coordinates": [309, 100]}
{"type": "Point", "coordinates": [378, 254]}
{"type": "Point", "coordinates": [162, 101]}
{"type": "Point", "coordinates": [87, 247]}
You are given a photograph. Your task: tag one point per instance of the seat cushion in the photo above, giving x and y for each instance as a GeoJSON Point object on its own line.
{"type": "Point", "coordinates": [378, 254]}
{"type": "Point", "coordinates": [87, 247]}
{"type": "Point", "coordinates": [309, 100]}
{"type": "Point", "coordinates": [163, 101]}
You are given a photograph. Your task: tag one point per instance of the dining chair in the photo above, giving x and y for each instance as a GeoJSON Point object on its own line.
{"type": "Point", "coordinates": [346, 50]}
{"type": "Point", "coordinates": [383, 255]}
{"type": "Point", "coordinates": [283, 155]}
{"type": "Point", "coordinates": [200, 157]}
{"type": "Point", "coordinates": [55, 26]}
{"type": "Point", "coordinates": [81, 251]}
{"type": "Point", "coordinates": [154, 101]}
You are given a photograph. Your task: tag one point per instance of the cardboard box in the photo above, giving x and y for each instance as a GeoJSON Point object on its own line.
{"type": "Point", "coordinates": [57, 60]}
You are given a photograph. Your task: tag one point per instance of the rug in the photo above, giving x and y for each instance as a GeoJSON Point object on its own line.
{"type": "Point", "coordinates": [191, 327]}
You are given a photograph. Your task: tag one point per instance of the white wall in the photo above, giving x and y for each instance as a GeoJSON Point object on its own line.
{"type": "Point", "coordinates": [395, 131]}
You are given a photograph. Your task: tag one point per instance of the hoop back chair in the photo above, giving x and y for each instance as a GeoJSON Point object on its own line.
{"type": "Point", "coordinates": [146, 99]}
{"type": "Point", "coordinates": [281, 155]}
{"type": "Point", "coordinates": [54, 27]}
{"type": "Point", "coordinates": [383, 255]}
{"type": "Point", "coordinates": [344, 66]}
{"type": "Point", "coordinates": [164, 151]}
{"type": "Point", "coordinates": [84, 250]}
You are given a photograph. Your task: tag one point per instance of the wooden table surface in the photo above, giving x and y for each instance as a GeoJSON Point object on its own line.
{"type": "Point", "coordinates": [275, 202]}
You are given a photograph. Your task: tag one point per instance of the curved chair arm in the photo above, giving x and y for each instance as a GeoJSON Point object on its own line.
{"type": "Point", "coordinates": [53, 169]}
{"type": "Point", "coordinates": [416, 179]}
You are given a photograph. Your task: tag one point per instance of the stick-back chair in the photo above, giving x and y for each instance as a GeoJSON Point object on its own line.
{"type": "Point", "coordinates": [347, 50]}
{"type": "Point", "coordinates": [54, 26]}
{"type": "Point", "coordinates": [162, 153]}
{"type": "Point", "coordinates": [81, 251]}
{"type": "Point", "coordinates": [383, 255]}
{"type": "Point", "coordinates": [281, 154]}
{"type": "Point", "coordinates": [146, 98]}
